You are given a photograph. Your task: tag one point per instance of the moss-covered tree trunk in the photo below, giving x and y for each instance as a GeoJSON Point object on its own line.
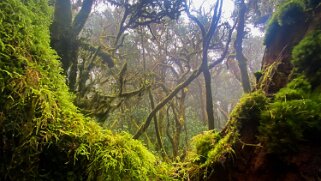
{"type": "Point", "coordinates": [253, 158]}
{"type": "Point", "coordinates": [64, 36]}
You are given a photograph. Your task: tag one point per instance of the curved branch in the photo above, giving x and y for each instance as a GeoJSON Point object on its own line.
{"type": "Point", "coordinates": [181, 86]}
{"type": "Point", "coordinates": [215, 20]}
{"type": "Point", "coordinates": [82, 17]}
{"type": "Point", "coordinates": [199, 24]}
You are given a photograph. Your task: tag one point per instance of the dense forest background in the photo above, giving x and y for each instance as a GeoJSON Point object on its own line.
{"type": "Point", "coordinates": [151, 90]}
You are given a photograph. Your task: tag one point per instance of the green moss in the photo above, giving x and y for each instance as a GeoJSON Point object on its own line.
{"type": "Point", "coordinates": [272, 28]}
{"type": "Point", "coordinates": [44, 137]}
{"type": "Point", "coordinates": [288, 13]}
{"type": "Point", "coordinates": [298, 88]}
{"type": "Point", "coordinates": [203, 143]}
{"type": "Point", "coordinates": [258, 75]}
{"type": "Point", "coordinates": [267, 75]}
{"type": "Point", "coordinates": [293, 117]}
{"type": "Point", "coordinates": [214, 148]}
{"type": "Point", "coordinates": [306, 57]}
{"type": "Point", "coordinates": [249, 108]}
{"type": "Point", "coordinates": [208, 148]}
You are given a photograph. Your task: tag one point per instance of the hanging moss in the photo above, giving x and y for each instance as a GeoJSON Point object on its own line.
{"type": "Point", "coordinates": [43, 136]}
{"type": "Point", "coordinates": [267, 76]}
{"type": "Point", "coordinates": [306, 57]}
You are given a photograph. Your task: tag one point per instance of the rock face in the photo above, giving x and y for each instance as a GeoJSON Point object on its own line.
{"type": "Point", "coordinates": [252, 160]}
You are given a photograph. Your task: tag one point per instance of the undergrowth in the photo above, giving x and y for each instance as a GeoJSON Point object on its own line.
{"type": "Point", "coordinates": [43, 136]}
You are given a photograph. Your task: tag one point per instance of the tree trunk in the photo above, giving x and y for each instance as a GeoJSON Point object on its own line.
{"type": "Point", "coordinates": [208, 92]}
{"type": "Point", "coordinates": [242, 61]}
{"type": "Point", "coordinates": [60, 31]}
{"type": "Point", "coordinates": [158, 136]}
{"type": "Point", "coordinates": [64, 36]}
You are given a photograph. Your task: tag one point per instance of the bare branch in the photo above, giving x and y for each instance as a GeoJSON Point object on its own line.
{"type": "Point", "coordinates": [82, 17]}
{"type": "Point", "coordinates": [181, 86]}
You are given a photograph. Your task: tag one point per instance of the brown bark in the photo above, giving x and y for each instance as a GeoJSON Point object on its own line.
{"type": "Point", "coordinates": [201, 94]}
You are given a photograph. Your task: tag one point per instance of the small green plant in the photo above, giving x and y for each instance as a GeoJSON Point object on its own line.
{"type": "Point", "coordinates": [258, 75]}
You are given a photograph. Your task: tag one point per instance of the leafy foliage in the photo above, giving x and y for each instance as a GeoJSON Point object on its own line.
{"type": "Point", "coordinates": [43, 134]}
